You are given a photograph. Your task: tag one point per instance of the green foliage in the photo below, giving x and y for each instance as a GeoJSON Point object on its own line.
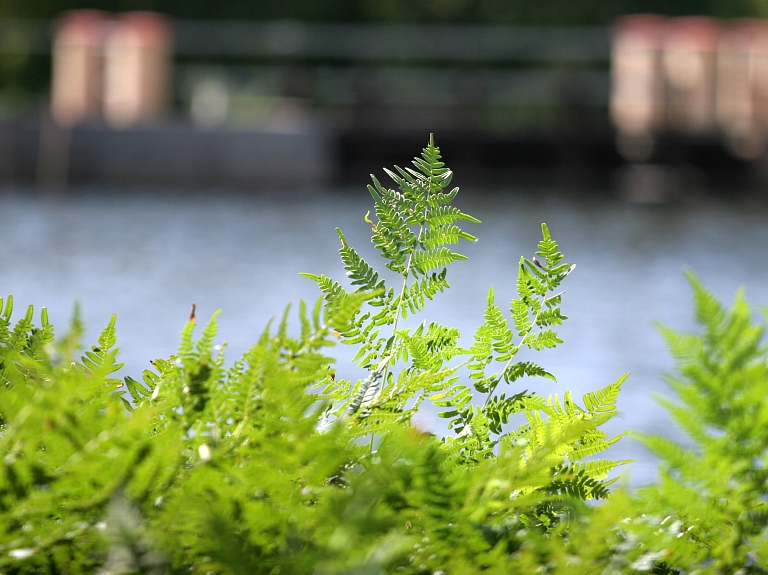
{"type": "Point", "coordinates": [273, 465]}
{"type": "Point", "coordinates": [707, 512]}
{"type": "Point", "coordinates": [68, 448]}
{"type": "Point", "coordinates": [414, 233]}
{"type": "Point", "coordinates": [492, 11]}
{"type": "Point", "coordinates": [715, 493]}
{"type": "Point", "coordinates": [196, 466]}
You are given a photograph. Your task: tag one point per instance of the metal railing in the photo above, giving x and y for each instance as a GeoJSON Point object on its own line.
{"type": "Point", "coordinates": [389, 43]}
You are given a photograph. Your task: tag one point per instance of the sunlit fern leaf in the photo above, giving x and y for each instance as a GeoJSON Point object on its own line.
{"type": "Point", "coordinates": [548, 249]}
{"type": "Point", "coordinates": [136, 389]}
{"type": "Point", "coordinates": [604, 400]}
{"type": "Point", "coordinates": [525, 368]}
{"type": "Point", "coordinates": [544, 339]}
{"type": "Point", "coordinates": [551, 316]}
{"type": "Point", "coordinates": [437, 199]}
{"type": "Point", "coordinates": [500, 408]}
{"type": "Point", "coordinates": [442, 341]}
{"type": "Point", "coordinates": [41, 337]}
{"type": "Point", "coordinates": [365, 393]}
{"type": "Point", "coordinates": [445, 215]}
{"type": "Point", "coordinates": [578, 485]}
{"type": "Point", "coordinates": [282, 327]}
{"type": "Point", "coordinates": [186, 345]}
{"type": "Point", "coordinates": [427, 287]}
{"type": "Point", "coordinates": [688, 415]}
{"type": "Point", "coordinates": [22, 331]}
{"type": "Point", "coordinates": [524, 289]}
{"type": "Point", "coordinates": [380, 194]}
{"type": "Point", "coordinates": [100, 359]}
{"type": "Point", "coordinates": [150, 379]}
{"type": "Point", "coordinates": [304, 323]}
{"type": "Point", "coordinates": [443, 235]}
{"type": "Point", "coordinates": [683, 347]}
{"type": "Point", "coordinates": [341, 314]}
{"type": "Point", "coordinates": [591, 444]}
{"type": "Point", "coordinates": [361, 274]}
{"type": "Point", "coordinates": [205, 342]}
{"type": "Point", "coordinates": [316, 314]}
{"type": "Point", "coordinates": [456, 398]}
{"type": "Point", "coordinates": [412, 190]}
{"type": "Point", "coordinates": [393, 238]}
{"type": "Point", "coordinates": [5, 318]}
{"type": "Point", "coordinates": [708, 310]}
{"type": "Point", "coordinates": [533, 285]}
{"type": "Point", "coordinates": [520, 315]}
{"type": "Point", "coordinates": [493, 335]}
{"type": "Point", "coordinates": [331, 288]}
{"type": "Point", "coordinates": [674, 457]}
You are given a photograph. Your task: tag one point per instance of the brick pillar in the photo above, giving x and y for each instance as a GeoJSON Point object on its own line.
{"type": "Point", "coordinates": [76, 81]}
{"type": "Point", "coordinates": [742, 87]}
{"type": "Point", "coordinates": [137, 69]}
{"type": "Point", "coordinates": [637, 101]}
{"type": "Point", "coordinates": [690, 45]}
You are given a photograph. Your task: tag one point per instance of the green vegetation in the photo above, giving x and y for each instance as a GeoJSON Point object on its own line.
{"type": "Point", "coordinates": [464, 11]}
{"type": "Point", "coordinates": [275, 465]}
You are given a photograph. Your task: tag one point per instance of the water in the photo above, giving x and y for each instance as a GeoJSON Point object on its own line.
{"type": "Point", "coordinates": [146, 256]}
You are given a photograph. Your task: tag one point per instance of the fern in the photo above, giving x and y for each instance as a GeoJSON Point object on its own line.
{"type": "Point", "coordinates": [533, 315]}
{"type": "Point", "coordinates": [415, 232]}
{"type": "Point", "coordinates": [716, 491]}
{"type": "Point", "coordinates": [21, 343]}
{"type": "Point", "coordinates": [274, 465]}
{"type": "Point", "coordinates": [100, 359]}
{"type": "Point", "coordinates": [414, 228]}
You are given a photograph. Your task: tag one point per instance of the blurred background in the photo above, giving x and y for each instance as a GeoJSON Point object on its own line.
{"type": "Point", "coordinates": [155, 153]}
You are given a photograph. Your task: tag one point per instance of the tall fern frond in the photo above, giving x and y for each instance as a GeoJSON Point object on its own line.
{"type": "Point", "coordinates": [100, 359]}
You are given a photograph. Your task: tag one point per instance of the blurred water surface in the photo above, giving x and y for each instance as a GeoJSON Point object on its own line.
{"type": "Point", "coordinates": [147, 256]}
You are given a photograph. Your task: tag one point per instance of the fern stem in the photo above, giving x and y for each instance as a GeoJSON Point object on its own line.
{"type": "Point", "coordinates": [403, 291]}
{"type": "Point", "coordinates": [404, 287]}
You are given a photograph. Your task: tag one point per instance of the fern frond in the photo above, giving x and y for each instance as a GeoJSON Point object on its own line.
{"type": "Point", "coordinates": [427, 287]}
{"type": "Point", "coordinates": [544, 339]}
{"type": "Point", "coordinates": [365, 393]}
{"type": "Point", "coordinates": [707, 309]}
{"type": "Point", "coordinates": [445, 215]}
{"type": "Point", "coordinates": [22, 331]}
{"type": "Point", "coordinates": [332, 289]}
{"type": "Point", "coordinates": [136, 389]}
{"type": "Point", "coordinates": [100, 359]}
{"type": "Point", "coordinates": [340, 314]}
{"type": "Point", "coordinates": [204, 345]}
{"type": "Point", "coordinates": [186, 345]}
{"type": "Point", "coordinates": [393, 238]}
{"type": "Point", "coordinates": [424, 261]}
{"type": "Point", "coordinates": [5, 318]}
{"type": "Point", "coordinates": [520, 369]}
{"type": "Point", "coordinates": [358, 270]}
{"type": "Point", "coordinates": [435, 237]}
{"type": "Point", "coordinates": [548, 249]}
{"type": "Point", "coordinates": [604, 400]}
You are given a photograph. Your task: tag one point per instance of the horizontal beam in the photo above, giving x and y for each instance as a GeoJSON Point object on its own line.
{"type": "Point", "coordinates": [394, 42]}
{"type": "Point", "coordinates": [355, 42]}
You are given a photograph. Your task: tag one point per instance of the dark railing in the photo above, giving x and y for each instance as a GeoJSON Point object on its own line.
{"type": "Point", "coordinates": [387, 43]}
{"type": "Point", "coordinates": [492, 74]}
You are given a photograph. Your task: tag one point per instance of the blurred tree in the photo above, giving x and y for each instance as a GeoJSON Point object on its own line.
{"type": "Point", "coordinates": [760, 7]}
{"type": "Point", "coordinates": [234, 9]}
{"type": "Point", "coordinates": [500, 11]}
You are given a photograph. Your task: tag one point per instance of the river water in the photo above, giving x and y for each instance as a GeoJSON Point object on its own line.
{"type": "Point", "coordinates": [146, 255]}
